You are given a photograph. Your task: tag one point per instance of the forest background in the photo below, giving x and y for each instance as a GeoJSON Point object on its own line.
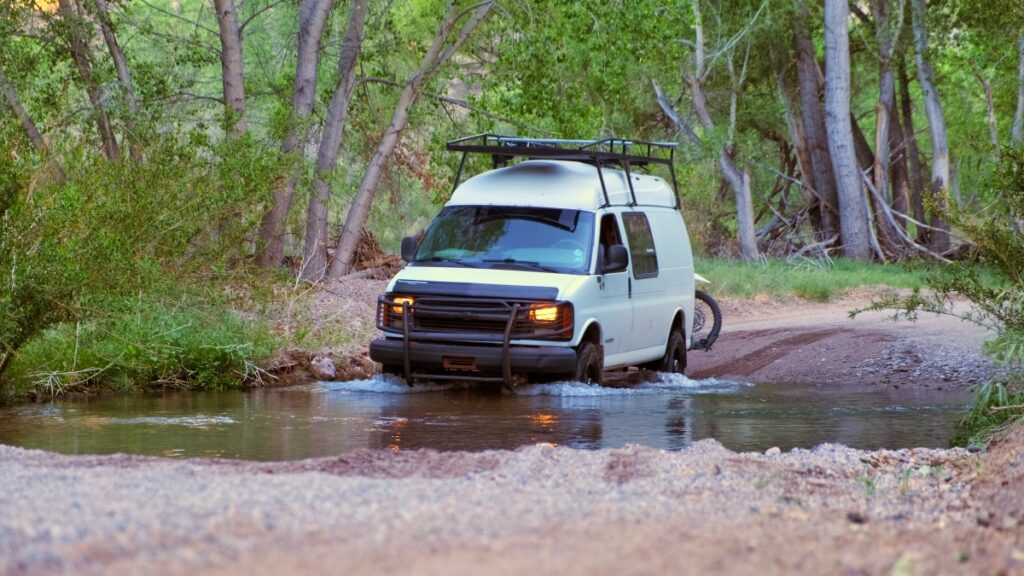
{"type": "Point", "coordinates": [175, 172]}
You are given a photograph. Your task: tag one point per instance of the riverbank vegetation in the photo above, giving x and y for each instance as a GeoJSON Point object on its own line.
{"type": "Point", "coordinates": [158, 156]}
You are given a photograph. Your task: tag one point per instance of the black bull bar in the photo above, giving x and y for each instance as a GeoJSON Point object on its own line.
{"type": "Point", "coordinates": [510, 315]}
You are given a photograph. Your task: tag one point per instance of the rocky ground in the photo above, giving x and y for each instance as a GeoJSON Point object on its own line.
{"type": "Point", "coordinates": [537, 510]}
{"type": "Point", "coordinates": [547, 510]}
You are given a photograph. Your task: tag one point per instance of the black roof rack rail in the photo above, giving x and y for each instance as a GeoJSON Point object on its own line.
{"type": "Point", "coordinates": [621, 151]}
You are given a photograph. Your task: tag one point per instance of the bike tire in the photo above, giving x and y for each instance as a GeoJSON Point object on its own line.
{"type": "Point", "coordinates": [703, 340]}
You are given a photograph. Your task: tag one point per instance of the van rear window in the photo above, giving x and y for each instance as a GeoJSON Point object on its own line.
{"type": "Point", "coordinates": [641, 245]}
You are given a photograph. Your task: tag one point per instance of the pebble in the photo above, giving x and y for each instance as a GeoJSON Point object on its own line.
{"type": "Point", "coordinates": [773, 451]}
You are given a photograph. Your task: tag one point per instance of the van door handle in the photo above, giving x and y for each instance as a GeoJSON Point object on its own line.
{"type": "Point", "coordinates": [629, 284]}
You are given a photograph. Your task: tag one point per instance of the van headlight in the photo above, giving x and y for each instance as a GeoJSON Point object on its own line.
{"type": "Point", "coordinates": [549, 320]}
{"type": "Point", "coordinates": [543, 313]}
{"type": "Point", "coordinates": [398, 302]}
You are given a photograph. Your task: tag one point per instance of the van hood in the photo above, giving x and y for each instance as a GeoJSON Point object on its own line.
{"type": "Point", "coordinates": [484, 283]}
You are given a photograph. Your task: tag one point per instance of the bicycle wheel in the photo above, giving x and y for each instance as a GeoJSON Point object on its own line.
{"type": "Point", "coordinates": [707, 321]}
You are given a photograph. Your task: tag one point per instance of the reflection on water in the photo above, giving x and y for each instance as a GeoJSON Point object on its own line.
{"type": "Point", "coordinates": [324, 419]}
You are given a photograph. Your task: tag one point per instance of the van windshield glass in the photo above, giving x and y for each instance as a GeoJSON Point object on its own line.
{"type": "Point", "coordinates": [512, 237]}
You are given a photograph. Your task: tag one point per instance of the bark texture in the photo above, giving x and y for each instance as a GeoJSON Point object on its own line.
{"type": "Point", "coordinates": [884, 110]}
{"type": "Point", "coordinates": [940, 180]}
{"type": "Point", "coordinates": [915, 168]}
{"type": "Point", "coordinates": [738, 180]}
{"type": "Point", "coordinates": [124, 77]}
{"type": "Point", "coordinates": [436, 55]}
{"type": "Point", "coordinates": [314, 252]}
{"type": "Point", "coordinates": [312, 18]}
{"type": "Point", "coordinates": [27, 124]}
{"type": "Point", "coordinates": [852, 206]}
{"type": "Point", "coordinates": [232, 71]}
{"type": "Point", "coordinates": [78, 44]}
{"type": "Point", "coordinates": [813, 120]}
{"type": "Point", "coordinates": [990, 105]}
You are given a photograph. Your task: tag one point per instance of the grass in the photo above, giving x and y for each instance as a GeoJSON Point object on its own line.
{"type": "Point", "coordinates": [141, 343]}
{"type": "Point", "coordinates": [811, 279]}
{"type": "Point", "coordinates": [997, 404]}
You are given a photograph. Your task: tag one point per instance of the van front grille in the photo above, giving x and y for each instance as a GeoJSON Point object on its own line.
{"type": "Point", "coordinates": [467, 318]}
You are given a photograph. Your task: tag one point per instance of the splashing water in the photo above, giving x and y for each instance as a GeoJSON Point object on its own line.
{"type": "Point", "coordinates": [664, 383]}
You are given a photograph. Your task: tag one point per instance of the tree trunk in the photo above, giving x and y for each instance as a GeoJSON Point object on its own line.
{"type": "Point", "coordinates": [940, 183]}
{"type": "Point", "coordinates": [803, 154]}
{"type": "Point", "coordinates": [739, 180]}
{"type": "Point", "coordinates": [436, 55]}
{"type": "Point", "coordinates": [886, 238]}
{"type": "Point", "coordinates": [898, 163]}
{"type": "Point", "coordinates": [812, 117]}
{"type": "Point", "coordinates": [990, 106]}
{"type": "Point", "coordinates": [312, 18]}
{"type": "Point", "coordinates": [314, 260]}
{"type": "Point", "coordinates": [915, 172]}
{"type": "Point", "coordinates": [27, 124]}
{"type": "Point", "coordinates": [883, 114]}
{"type": "Point", "coordinates": [232, 74]}
{"type": "Point", "coordinates": [124, 76]}
{"type": "Point", "coordinates": [853, 213]}
{"type": "Point", "coordinates": [80, 53]}
{"type": "Point", "coordinates": [1017, 132]}
{"type": "Point", "coordinates": [10, 95]}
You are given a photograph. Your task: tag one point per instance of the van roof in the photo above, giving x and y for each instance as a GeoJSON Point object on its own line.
{"type": "Point", "coordinates": [561, 184]}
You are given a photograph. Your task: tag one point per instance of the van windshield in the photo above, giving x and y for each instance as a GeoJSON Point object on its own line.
{"type": "Point", "coordinates": [512, 237]}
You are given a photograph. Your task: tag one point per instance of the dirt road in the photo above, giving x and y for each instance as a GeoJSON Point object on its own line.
{"type": "Point", "coordinates": [547, 510]}
{"type": "Point", "coordinates": [819, 342]}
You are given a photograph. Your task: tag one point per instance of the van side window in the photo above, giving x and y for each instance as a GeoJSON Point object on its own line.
{"type": "Point", "coordinates": [609, 237]}
{"type": "Point", "coordinates": [641, 245]}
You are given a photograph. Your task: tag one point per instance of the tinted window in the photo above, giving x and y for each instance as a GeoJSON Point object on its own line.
{"type": "Point", "coordinates": [641, 244]}
{"type": "Point", "coordinates": [541, 239]}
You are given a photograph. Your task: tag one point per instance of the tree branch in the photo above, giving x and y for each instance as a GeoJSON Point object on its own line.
{"type": "Point", "coordinates": [268, 6]}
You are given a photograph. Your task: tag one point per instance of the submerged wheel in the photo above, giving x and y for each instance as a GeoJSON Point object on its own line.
{"type": "Point", "coordinates": [675, 354]}
{"type": "Point", "coordinates": [589, 366]}
{"type": "Point", "coordinates": [707, 320]}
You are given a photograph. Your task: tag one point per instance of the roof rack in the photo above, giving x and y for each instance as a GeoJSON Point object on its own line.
{"type": "Point", "coordinates": [625, 153]}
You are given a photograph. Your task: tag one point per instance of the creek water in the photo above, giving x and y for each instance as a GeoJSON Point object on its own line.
{"type": "Point", "coordinates": [330, 418]}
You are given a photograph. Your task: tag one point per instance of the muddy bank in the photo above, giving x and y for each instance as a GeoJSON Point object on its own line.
{"type": "Point", "coordinates": [539, 509]}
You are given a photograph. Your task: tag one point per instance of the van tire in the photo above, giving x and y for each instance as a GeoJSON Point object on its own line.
{"type": "Point", "coordinates": [674, 360]}
{"type": "Point", "coordinates": [589, 364]}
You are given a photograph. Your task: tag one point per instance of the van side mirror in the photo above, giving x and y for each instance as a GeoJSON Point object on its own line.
{"type": "Point", "coordinates": [616, 260]}
{"type": "Point", "coordinates": [409, 246]}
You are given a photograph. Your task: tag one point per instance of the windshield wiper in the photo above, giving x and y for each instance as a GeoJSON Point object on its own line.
{"type": "Point", "coordinates": [458, 261]}
{"type": "Point", "coordinates": [530, 263]}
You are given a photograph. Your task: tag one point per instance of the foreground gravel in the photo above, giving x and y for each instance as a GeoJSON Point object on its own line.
{"type": "Point", "coordinates": [539, 509]}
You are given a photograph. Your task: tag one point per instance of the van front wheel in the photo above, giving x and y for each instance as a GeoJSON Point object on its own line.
{"type": "Point", "coordinates": [589, 366]}
{"type": "Point", "coordinates": [675, 354]}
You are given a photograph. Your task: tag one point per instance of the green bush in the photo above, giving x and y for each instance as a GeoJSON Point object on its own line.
{"type": "Point", "coordinates": [145, 342]}
{"type": "Point", "coordinates": [73, 252]}
{"type": "Point", "coordinates": [997, 298]}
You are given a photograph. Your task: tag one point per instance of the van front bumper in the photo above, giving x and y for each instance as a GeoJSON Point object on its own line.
{"type": "Point", "coordinates": [442, 360]}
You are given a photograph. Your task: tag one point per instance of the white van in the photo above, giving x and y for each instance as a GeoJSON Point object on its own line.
{"type": "Point", "coordinates": [557, 267]}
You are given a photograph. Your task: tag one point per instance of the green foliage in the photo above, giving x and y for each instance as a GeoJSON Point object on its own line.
{"type": "Point", "coordinates": [145, 341]}
{"type": "Point", "coordinates": [811, 279]}
{"type": "Point", "coordinates": [997, 300]}
{"type": "Point", "coordinates": [73, 251]}
{"type": "Point", "coordinates": [997, 404]}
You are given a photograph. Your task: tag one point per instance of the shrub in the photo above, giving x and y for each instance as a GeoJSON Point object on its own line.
{"type": "Point", "coordinates": [73, 252]}
{"type": "Point", "coordinates": [997, 299]}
